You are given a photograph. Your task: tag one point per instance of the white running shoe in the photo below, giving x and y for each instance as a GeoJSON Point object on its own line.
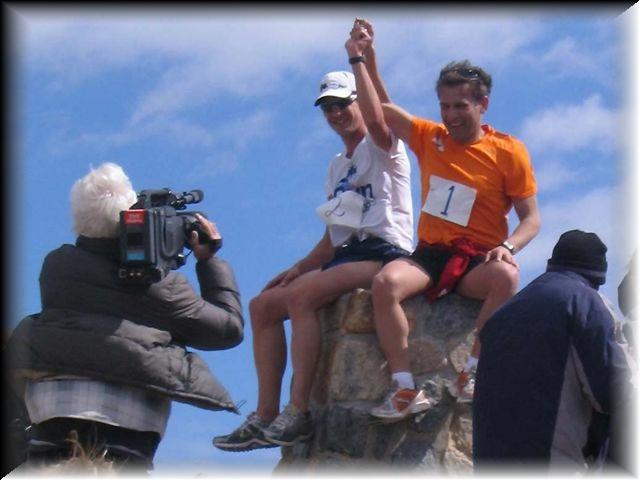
{"type": "Point", "coordinates": [400, 403]}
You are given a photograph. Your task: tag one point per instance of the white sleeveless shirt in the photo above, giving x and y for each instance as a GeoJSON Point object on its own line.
{"type": "Point", "coordinates": [370, 195]}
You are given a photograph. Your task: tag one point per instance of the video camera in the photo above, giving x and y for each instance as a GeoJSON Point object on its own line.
{"type": "Point", "coordinates": [153, 235]}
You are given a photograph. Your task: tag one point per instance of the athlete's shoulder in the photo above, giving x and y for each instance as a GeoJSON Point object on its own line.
{"type": "Point", "coordinates": [426, 124]}
{"type": "Point", "coordinates": [504, 140]}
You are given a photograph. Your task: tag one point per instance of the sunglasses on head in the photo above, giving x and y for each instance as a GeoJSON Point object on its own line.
{"type": "Point", "coordinates": [468, 73]}
{"type": "Point", "coordinates": [341, 104]}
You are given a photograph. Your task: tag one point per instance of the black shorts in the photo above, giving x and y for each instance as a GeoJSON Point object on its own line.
{"type": "Point", "coordinates": [370, 249]}
{"type": "Point", "coordinates": [433, 260]}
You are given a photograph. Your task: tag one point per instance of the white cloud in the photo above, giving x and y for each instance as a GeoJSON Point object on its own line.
{"type": "Point", "coordinates": [212, 53]}
{"type": "Point", "coordinates": [593, 211]}
{"type": "Point", "coordinates": [178, 132]}
{"type": "Point", "coordinates": [232, 141]}
{"type": "Point", "coordinates": [242, 132]}
{"type": "Point", "coordinates": [570, 127]}
{"type": "Point", "coordinates": [203, 54]}
{"type": "Point", "coordinates": [315, 140]}
{"type": "Point", "coordinates": [196, 58]}
{"type": "Point", "coordinates": [551, 175]}
{"type": "Point", "coordinates": [229, 139]}
{"type": "Point", "coordinates": [412, 57]}
{"type": "Point", "coordinates": [218, 163]}
{"type": "Point", "coordinates": [592, 55]}
{"type": "Point", "coordinates": [566, 58]}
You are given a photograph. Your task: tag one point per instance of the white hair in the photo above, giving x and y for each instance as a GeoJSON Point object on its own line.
{"type": "Point", "coordinates": [97, 200]}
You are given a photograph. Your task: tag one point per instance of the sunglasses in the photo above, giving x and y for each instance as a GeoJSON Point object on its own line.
{"type": "Point", "coordinates": [468, 73]}
{"type": "Point", "coordinates": [341, 104]}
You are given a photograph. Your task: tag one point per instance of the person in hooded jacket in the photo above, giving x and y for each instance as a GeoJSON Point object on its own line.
{"type": "Point", "coordinates": [554, 381]}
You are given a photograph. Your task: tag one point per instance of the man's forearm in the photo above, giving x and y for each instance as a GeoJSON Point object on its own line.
{"type": "Point", "coordinates": [371, 107]}
{"type": "Point", "coordinates": [374, 74]}
{"type": "Point", "coordinates": [529, 226]}
{"type": "Point", "coordinates": [524, 233]}
{"type": "Point", "coordinates": [368, 100]}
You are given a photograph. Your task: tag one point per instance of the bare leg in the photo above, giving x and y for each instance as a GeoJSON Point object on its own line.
{"type": "Point", "coordinates": [397, 281]}
{"type": "Point", "coordinates": [495, 282]}
{"type": "Point", "coordinates": [310, 292]}
{"type": "Point", "coordinates": [268, 312]}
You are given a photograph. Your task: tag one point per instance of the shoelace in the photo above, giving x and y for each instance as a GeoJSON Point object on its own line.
{"type": "Point", "coordinates": [253, 416]}
{"type": "Point", "coordinates": [388, 401]}
{"type": "Point", "coordinates": [283, 419]}
{"type": "Point", "coordinates": [390, 394]}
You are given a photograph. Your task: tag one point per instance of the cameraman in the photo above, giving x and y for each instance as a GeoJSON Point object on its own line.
{"type": "Point", "coordinates": [105, 359]}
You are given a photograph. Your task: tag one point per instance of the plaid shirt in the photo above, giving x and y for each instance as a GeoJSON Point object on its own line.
{"type": "Point", "coordinates": [120, 405]}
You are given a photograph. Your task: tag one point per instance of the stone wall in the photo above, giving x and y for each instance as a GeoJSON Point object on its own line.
{"type": "Point", "coordinates": [353, 376]}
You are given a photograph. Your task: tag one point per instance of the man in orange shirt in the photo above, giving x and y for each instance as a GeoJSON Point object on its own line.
{"type": "Point", "coordinates": [471, 176]}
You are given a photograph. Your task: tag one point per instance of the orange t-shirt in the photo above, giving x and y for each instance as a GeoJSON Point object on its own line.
{"type": "Point", "coordinates": [467, 190]}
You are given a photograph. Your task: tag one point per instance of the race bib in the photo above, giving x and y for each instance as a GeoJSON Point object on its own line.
{"type": "Point", "coordinates": [345, 210]}
{"type": "Point", "coordinates": [449, 200]}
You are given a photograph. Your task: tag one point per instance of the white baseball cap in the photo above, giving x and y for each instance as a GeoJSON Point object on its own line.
{"type": "Point", "coordinates": [337, 84]}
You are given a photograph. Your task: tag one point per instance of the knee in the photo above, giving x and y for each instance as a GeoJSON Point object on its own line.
{"type": "Point", "coordinates": [385, 287]}
{"type": "Point", "coordinates": [259, 312]}
{"type": "Point", "coordinates": [505, 279]}
{"type": "Point", "coordinates": [300, 300]}
{"type": "Point", "coordinates": [256, 306]}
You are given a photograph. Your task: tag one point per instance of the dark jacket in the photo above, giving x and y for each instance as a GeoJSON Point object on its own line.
{"type": "Point", "coordinates": [549, 359]}
{"type": "Point", "coordinates": [93, 325]}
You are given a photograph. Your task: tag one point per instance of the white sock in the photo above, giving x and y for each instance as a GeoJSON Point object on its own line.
{"type": "Point", "coordinates": [404, 380]}
{"type": "Point", "coordinates": [471, 364]}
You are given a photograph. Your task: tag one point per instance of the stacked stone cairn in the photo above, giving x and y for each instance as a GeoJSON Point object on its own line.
{"type": "Point", "coordinates": [353, 376]}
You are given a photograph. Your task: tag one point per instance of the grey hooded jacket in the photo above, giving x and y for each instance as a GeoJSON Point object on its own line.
{"type": "Point", "coordinates": [92, 325]}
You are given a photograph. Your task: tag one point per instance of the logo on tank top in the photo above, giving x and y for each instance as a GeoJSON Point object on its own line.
{"type": "Point", "coordinates": [345, 185]}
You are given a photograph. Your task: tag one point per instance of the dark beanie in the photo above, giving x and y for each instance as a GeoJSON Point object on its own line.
{"type": "Point", "coordinates": [581, 252]}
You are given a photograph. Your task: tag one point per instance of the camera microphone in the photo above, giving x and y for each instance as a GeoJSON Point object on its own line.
{"type": "Point", "coordinates": [194, 196]}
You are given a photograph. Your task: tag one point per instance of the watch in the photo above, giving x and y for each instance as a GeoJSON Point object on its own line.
{"type": "Point", "coordinates": [508, 246]}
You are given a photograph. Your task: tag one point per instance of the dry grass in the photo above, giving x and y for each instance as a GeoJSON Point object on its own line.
{"type": "Point", "coordinates": [85, 462]}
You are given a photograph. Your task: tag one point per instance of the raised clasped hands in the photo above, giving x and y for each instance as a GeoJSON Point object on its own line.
{"type": "Point", "coordinates": [360, 39]}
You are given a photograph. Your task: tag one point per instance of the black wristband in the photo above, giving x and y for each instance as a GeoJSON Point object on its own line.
{"type": "Point", "coordinates": [358, 59]}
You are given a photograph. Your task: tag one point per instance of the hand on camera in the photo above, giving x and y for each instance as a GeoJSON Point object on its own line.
{"type": "Point", "coordinates": [202, 251]}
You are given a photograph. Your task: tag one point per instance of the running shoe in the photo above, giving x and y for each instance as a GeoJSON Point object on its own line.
{"type": "Point", "coordinates": [248, 436]}
{"type": "Point", "coordinates": [401, 403]}
{"type": "Point", "coordinates": [289, 427]}
{"type": "Point", "coordinates": [463, 387]}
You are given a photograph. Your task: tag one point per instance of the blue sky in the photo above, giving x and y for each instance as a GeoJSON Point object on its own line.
{"type": "Point", "coordinates": [221, 99]}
